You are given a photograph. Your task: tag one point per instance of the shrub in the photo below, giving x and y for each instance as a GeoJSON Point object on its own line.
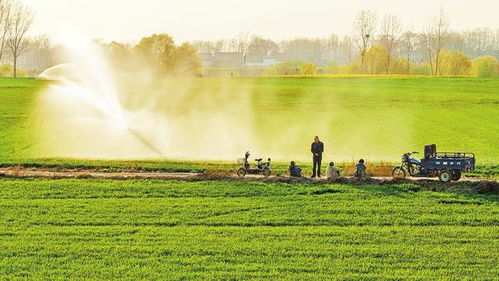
{"type": "Point", "coordinates": [285, 68]}
{"type": "Point", "coordinates": [485, 66]}
{"type": "Point", "coordinates": [421, 69]}
{"type": "Point", "coordinates": [6, 70]}
{"type": "Point", "coordinates": [454, 63]}
{"type": "Point", "coordinates": [331, 68]}
{"type": "Point", "coordinates": [308, 69]}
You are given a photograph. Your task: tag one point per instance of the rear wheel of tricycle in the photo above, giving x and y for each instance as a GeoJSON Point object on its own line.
{"type": "Point", "coordinates": [267, 172]}
{"type": "Point", "coordinates": [456, 175]}
{"type": "Point", "coordinates": [445, 176]}
{"type": "Point", "coordinates": [398, 173]}
{"type": "Point", "coordinates": [241, 172]}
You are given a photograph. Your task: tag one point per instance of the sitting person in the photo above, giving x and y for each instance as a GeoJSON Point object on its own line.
{"type": "Point", "coordinates": [360, 169]}
{"type": "Point", "coordinates": [294, 171]}
{"type": "Point", "coordinates": [332, 172]}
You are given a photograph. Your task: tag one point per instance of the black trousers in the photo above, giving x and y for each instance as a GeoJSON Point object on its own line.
{"type": "Point", "coordinates": [317, 166]}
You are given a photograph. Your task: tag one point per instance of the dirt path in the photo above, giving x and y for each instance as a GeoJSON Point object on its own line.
{"type": "Point", "coordinates": [18, 172]}
{"type": "Point", "coordinates": [51, 174]}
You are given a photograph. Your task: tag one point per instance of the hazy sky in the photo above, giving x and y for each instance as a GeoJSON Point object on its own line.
{"type": "Point", "coordinates": [129, 20]}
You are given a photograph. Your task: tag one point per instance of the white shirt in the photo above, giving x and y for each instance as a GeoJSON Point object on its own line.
{"type": "Point", "coordinates": [332, 172]}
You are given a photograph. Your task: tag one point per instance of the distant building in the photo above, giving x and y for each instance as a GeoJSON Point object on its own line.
{"type": "Point", "coordinates": [222, 59]}
{"type": "Point", "coordinates": [263, 63]}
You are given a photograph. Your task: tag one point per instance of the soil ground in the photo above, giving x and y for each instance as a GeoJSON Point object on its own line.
{"type": "Point", "coordinates": [475, 185]}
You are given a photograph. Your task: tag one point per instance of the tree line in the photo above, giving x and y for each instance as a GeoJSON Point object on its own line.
{"type": "Point", "coordinates": [157, 53]}
{"type": "Point", "coordinates": [377, 45]}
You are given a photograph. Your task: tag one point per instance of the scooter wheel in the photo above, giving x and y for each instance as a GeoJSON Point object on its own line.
{"type": "Point", "coordinates": [241, 172]}
{"type": "Point", "coordinates": [267, 172]}
{"type": "Point", "coordinates": [398, 173]}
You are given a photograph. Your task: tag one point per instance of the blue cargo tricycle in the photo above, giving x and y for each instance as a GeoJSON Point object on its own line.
{"type": "Point", "coordinates": [447, 166]}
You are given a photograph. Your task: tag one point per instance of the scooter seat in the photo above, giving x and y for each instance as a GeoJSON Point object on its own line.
{"type": "Point", "coordinates": [258, 160]}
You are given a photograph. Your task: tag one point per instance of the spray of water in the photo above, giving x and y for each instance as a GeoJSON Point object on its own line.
{"type": "Point", "coordinates": [94, 111]}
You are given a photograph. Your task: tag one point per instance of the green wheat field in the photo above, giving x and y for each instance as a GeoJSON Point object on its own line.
{"type": "Point", "coordinates": [230, 230]}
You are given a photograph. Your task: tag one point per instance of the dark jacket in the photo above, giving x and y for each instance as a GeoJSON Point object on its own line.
{"type": "Point", "coordinates": [317, 147]}
{"type": "Point", "coordinates": [295, 171]}
{"type": "Point", "coordinates": [360, 170]}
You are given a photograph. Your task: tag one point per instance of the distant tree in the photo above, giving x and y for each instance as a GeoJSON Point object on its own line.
{"type": "Point", "coordinates": [241, 42]}
{"type": "Point", "coordinates": [454, 63]}
{"type": "Point", "coordinates": [186, 60]}
{"type": "Point", "coordinates": [21, 22]}
{"type": "Point", "coordinates": [204, 46]}
{"type": "Point", "coordinates": [309, 68]}
{"type": "Point", "coordinates": [303, 49]}
{"type": "Point", "coordinates": [479, 42]}
{"type": "Point", "coordinates": [434, 38]}
{"type": "Point", "coordinates": [364, 28]}
{"type": "Point", "coordinates": [5, 22]}
{"type": "Point", "coordinates": [158, 50]}
{"type": "Point", "coordinates": [117, 49]}
{"type": "Point", "coordinates": [260, 48]}
{"type": "Point", "coordinates": [408, 46]}
{"type": "Point", "coordinates": [347, 48]}
{"type": "Point", "coordinates": [376, 60]}
{"type": "Point", "coordinates": [391, 28]}
{"type": "Point", "coordinates": [331, 47]}
{"type": "Point", "coordinates": [486, 66]}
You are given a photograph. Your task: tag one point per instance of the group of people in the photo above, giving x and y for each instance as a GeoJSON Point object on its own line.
{"type": "Point", "coordinates": [332, 172]}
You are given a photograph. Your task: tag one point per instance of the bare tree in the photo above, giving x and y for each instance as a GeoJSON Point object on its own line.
{"type": "Point", "coordinates": [21, 22]}
{"type": "Point", "coordinates": [391, 29]}
{"type": "Point", "coordinates": [242, 42]}
{"type": "Point", "coordinates": [331, 46]}
{"type": "Point", "coordinates": [364, 27]}
{"type": "Point", "coordinates": [408, 42]}
{"type": "Point", "coordinates": [40, 55]}
{"type": "Point", "coordinates": [348, 49]}
{"type": "Point", "coordinates": [5, 21]}
{"type": "Point", "coordinates": [434, 38]}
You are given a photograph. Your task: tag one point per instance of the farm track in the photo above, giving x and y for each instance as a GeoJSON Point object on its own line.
{"type": "Point", "coordinates": [19, 172]}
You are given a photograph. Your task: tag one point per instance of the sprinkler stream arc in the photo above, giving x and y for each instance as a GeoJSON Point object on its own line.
{"type": "Point", "coordinates": [146, 142]}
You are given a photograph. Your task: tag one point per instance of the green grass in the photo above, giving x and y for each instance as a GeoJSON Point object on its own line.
{"type": "Point", "coordinates": [96, 229]}
{"type": "Point", "coordinates": [371, 118]}
{"type": "Point", "coordinates": [17, 104]}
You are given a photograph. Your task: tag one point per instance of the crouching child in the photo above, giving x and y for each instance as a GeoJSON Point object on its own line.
{"type": "Point", "coordinates": [332, 172]}
{"type": "Point", "coordinates": [360, 170]}
{"type": "Point", "coordinates": [294, 171]}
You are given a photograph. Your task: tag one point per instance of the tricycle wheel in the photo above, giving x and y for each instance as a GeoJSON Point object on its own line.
{"type": "Point", "coordinates": [445, 176]}
{"type": "Point", "coordinates": [241, 172]}
{"type": "Point", "coordinates": [456, 175]}
{"type": "Point", "coordinates": [267, 172]}
{"type": "Point", "coordinates": [398, 172]}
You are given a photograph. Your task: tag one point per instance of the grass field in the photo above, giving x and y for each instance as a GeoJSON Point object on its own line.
{"type": "Point", "coordinates": [101, 230]}
{"type": "Point", "coordinates": [231, 230]}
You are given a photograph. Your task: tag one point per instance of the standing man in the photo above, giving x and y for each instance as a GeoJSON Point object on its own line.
{"type": "Point", "coordinates": [317, 150]}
